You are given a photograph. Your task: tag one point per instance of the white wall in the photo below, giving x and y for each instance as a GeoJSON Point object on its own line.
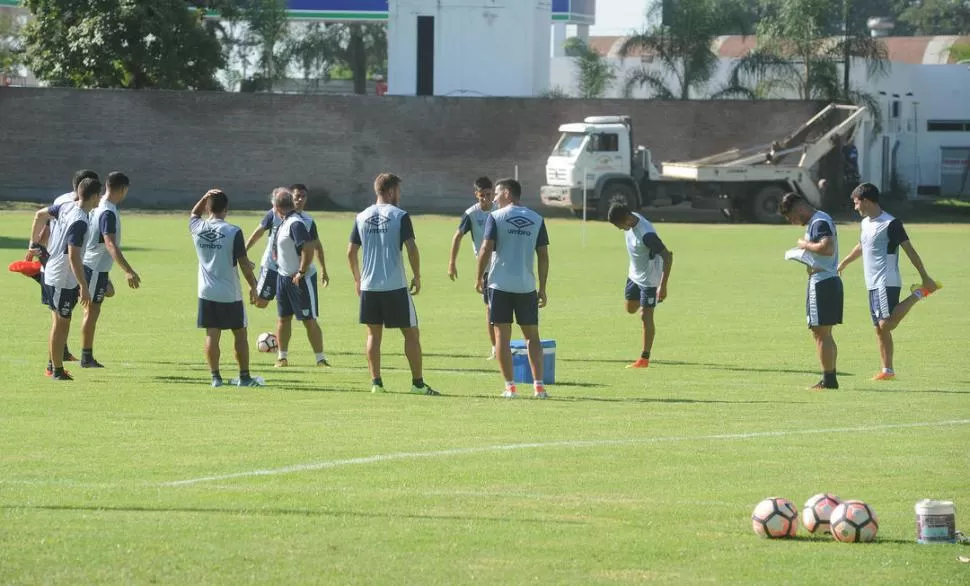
{"type": "Point", "coordinates": [482, 47]}
{"type": "Point", "coordinates": [939, 92]}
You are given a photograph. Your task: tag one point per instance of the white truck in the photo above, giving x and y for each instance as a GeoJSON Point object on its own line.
{"type": "Point", "coordinates": [597, 156]}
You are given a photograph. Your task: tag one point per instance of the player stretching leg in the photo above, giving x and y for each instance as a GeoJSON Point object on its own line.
{"type": "Point", "coordinates": [881, 237]}
{"type": "Point", "coordinates": [103, 247]}
{"type": "Point", "coordinates": [824, 298]}
{"type": "Point", "coordinates": [650, 264]}
{"type": "Point", "coordinates": [517, 236]}
{"type": "Point", "coordinates": [385, 299]}
{"type": "Point", "coordinates": [221, 249]}
{"type": "Point", "coordinates": [64, 282]}
{"type": "Point", "coordinates": [473, 221]}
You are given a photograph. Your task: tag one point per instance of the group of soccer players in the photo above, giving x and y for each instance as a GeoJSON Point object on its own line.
{"type": "Point", "coordinates": [77, 240]}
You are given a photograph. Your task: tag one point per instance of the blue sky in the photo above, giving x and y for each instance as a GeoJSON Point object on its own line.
{"type": "Point", "coordinates": [618, 17]}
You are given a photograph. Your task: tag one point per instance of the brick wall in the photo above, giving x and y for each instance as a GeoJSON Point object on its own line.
{"type": "Point", "coordinates": [175, 145]}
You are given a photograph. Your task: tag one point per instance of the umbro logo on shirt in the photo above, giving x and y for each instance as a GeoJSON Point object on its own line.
{"type": "Point", "coordinates": [520, 223]}
{"type": "Point", "coordinates": [377, 223]}
{"type": "Point", "coordinates": [211, 237]}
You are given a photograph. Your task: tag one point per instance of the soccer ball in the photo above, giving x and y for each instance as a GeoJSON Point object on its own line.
{"type": "Point", "coordinates": [854, 521]}
{"type": "Point", "coordinates": [266, 342]}
{"type": "Point", "coordinates": [818, 510]}
{"type": "Point", "coordinates": [774, 518]}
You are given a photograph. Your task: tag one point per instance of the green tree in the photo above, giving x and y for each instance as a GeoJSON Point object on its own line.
{"type": "Point", "coordinates": [121, 44]}
{"type": "Point", "coordinates": [269, 31]}
{"type": "Point", "coordinates": [682, 45]}
{"type": "Point", "coordinates": [11, 54]}
{"type": "Point", "coordinates": [596, 74]}
{"type": "Point", "coordinates": [361, 48]}
{"type": "Point", "coordinates": [312, 49]}
{"type": "Point", "coordinates": [934, 17]}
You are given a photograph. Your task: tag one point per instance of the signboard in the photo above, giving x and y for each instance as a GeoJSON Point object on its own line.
{"type": "Point", "coordinates": [955, 172]}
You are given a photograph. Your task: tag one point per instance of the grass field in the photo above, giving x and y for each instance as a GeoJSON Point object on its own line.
{"type": "Point", "coordinates": [142, 473]}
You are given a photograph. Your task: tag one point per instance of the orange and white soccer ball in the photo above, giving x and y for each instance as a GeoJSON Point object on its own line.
{"type": "Point", "coordinates": [775, 518]}
{"type": "Point", "coordinates": [266, 342]}
{"type": "Point", "coordinates": [854, 521]}
{"type": "Point", "coordinates": [817, 512]}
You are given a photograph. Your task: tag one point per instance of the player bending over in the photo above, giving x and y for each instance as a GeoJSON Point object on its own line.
{"type": "Point", "coordinates": [101, 250]}
{"type": "Point", "coordinates": [881, 237]}
{"type": "Point", "coordinates": [517, 236]}
{"type": "Point", "coordinates": [385, 299]}
{"type": "Point", "coordinates": [650, 265]}
{"type": "Point", "coordinates": [221, 250]}
{"type": "Point", "coordinates": [824, 297]}
{"type": "Point", "coordinates": [473, 221]}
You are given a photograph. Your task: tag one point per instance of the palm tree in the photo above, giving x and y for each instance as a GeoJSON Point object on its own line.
{"type": "Point", "coordinates": [596, 74]}
{"type": "Point", "coordinates": [682, 45]}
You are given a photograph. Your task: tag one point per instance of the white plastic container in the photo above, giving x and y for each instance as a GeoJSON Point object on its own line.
{"type": "Point", "coordinates": [935, 522]}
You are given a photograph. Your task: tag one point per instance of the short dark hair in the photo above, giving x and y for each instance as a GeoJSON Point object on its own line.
{"type": "Point", "coordinates": [866, 191]}
{"type": "Point", "coordinates": [617, 212]}
{"type": "Point", "coordinates": [385, 182]}
{"type": "Point", "coordinates": [82, 174]}
{"type": "Point", "coordinates": [89, 187]}
{"type": "Point", "coordinates": [514, 187]}
{"type": "Point", "coordinates": [788, 203]}
{"type": "Point", "coordinates": [117, 180]}
{"type": "Point", "coordinates": [282, 199]}
{"type": "Point", "coordinates": [218, 201]}
{"type": "Point", "coordinates": [483, 183]}
{"type": "Point", "coordinates": [298, 187]}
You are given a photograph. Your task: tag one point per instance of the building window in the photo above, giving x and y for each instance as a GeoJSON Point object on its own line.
{"type": "Point", "coordinates": [948, 125]}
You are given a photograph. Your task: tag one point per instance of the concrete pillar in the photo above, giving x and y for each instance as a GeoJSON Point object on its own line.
{"type": "Point", "coordinates": [558, 40]}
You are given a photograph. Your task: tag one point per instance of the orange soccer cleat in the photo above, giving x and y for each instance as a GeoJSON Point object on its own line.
{"type": "Point", "coordinates": [28, 268]}
{"type": "Point", "coordinates": [640, 363]}
{"type": "Point", "coordinates": [885, 376]}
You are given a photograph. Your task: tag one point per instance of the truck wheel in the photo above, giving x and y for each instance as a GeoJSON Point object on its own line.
{"type": "Point", "coordinates": [616, 193]}
{"type": "Point", "coordinates": [763, 207]}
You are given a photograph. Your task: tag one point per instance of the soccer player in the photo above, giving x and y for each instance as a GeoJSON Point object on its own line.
{"type": "Point", "coordinates": [221, 249]}
{"type": "Point", "coordinates": [102, 248]}
{"type": "Point", "coordinates": [517, 236]}
{"type": "Point", "coordinates": [385, 299]}
{"type": "Point", "coordinates": [64, 282]}
{"type": "Point", "coordinates": [296, 287]}
{"type": "Point", "coordinates": [824, 298]}
{"type": "Point", "coordinates": [473, 221]}
{"type": "Point", "coordinates": [650, 265]}
{"type": "Point", "coordinates": [881, 237]}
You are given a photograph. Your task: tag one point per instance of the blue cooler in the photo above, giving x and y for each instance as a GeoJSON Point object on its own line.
{"type": "Point", "coordinates": [522, 372]}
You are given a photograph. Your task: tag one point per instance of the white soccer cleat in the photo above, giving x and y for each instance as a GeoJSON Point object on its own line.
{"type": "Point", "coordinates": [509, 394]}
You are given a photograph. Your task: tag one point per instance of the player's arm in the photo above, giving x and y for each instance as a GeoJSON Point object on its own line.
{"type": "Point", "coordinates": [542, 257]}
{"type": "Point", "coordinates": [463, 228]}
{"type": "Point", "coordinates": [255, 236]}
{"type": "Point", "coordinates": [668, 257]}
{"type": "Point", "coordinates": [852, 256]}
{"type": "Point", "coordinates": [485, 252]}
{"type": "Point", "coordinates": [199, 207]}
{"type": "Point", "coordinates": [414, 258]}
{"type": "Point", "coordinates": [76, 235]}
{"type": "Point", "coordinates": [305, 245]}
{"type": "Point", "coordinates": [897, 234]}
{"type": "Point", "coordinates": [242, 261]}
{"type": "Point", "coordinates": [825, 246]}
{"type": "Point", "coordinates": [108, 226]}
{"type": "Point", "coordinates": [37, 227]}
{"type": "Point", "coordinates": [352, 258]}
{"type": "Point", "coordinates": [318, 251]}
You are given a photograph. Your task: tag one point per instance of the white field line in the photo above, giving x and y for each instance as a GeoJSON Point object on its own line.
{"type": "Point", "coordinates": [553, 444]}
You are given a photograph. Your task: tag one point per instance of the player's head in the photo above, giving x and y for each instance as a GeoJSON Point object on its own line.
{"type": "Point", "coordinates": [621, 216]}
{"type": "Point", "coordinates": [82, 174]}
{"type": "Point", "coordinates": [283, 201]}
{"type": "Point", "coordinates": [484, 193]}
{"type": "Point", "coordinates": [87, 192]}
{"type": "Point", "coordinates": [865, 199]}
{"type": "Point", "coordinates": [300, 193]}
{"type": "Point", "coordinates": [795, 209]}
{"type": "Point", "coordinates": [218, 204]}
{"type": "Point", "coordinates": [117, 186]}
{"type": "Point", "coordinates": [387, 186]}
{"type": "Point", "coordinates": [507, 191]}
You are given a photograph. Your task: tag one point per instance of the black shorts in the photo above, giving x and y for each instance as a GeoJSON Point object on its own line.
{"type": "Point", "coordinates": [391, 309]}
{"type": "Point", "coordinates": [221, 316]}
{"type": "Point", "coordinates": [646, 295]}
{"type": "Point", "coordinates": [503, 306]}
{"type": "Point", "coordinates": [299, 301]}
{"type": "Point", "coordinates": [882, 301]}
{"type": "Point", "coordinates": [823, 302]}
{"type": "Point", "coordinates": [60, 300]}
{"type": "Point", "coordinates": [97, 285]}
{"type": "Point", "coordinates": [266, 285]}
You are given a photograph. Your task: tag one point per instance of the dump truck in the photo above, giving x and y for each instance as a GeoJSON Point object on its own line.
{"type": "Point", "coordinates": [595, 164]}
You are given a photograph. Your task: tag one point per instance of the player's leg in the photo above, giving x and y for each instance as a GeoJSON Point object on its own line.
{"type": "Point", "coordinates": [266, 287]}
{"type": "Point", "coordinates": [527, 316]}
{"type": "Point", "coordinates": [109, 288]}
{"type": "Point", "coordinates": [488, 321]}
{"type": "Point", "coordinates": [631, 294]}
{"type": "Point", "coordinates": [213, 354]}
{"type": "Point", "coordinates": [98, 286]}
{"type": "Point", "coordinates": [501, 314]}
{"type": "Point", "coordinates": [899, 309]}
{"type": "Point", "coordinates": [397, 309]}
{"type": "Point", "coordinates": [646, 302]}
{"type": "Point", "coordinates": [62, 305]}
{"type": "Point", "coordinates": [375, 335]}
{"type": "Point", "coordinates": [308, 303]}
{"type": "Point", "coordinates": [285, 308]}
{"type": "Point", "coordinates": [826, 350]}
{"type": "Point", "coordinates": [882, 301]}
{"type": "Point", "coordinates": [824, 307]}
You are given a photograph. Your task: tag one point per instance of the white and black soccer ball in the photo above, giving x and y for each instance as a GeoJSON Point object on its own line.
{"type": "Point", "coordinates": [775, 518]}
{"type": "Point", "coordinates": [818, 511]}
{"type": "Point", "coordinates": [854, 521]}
{"type": "Point", "coordinates": [266, 342]}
